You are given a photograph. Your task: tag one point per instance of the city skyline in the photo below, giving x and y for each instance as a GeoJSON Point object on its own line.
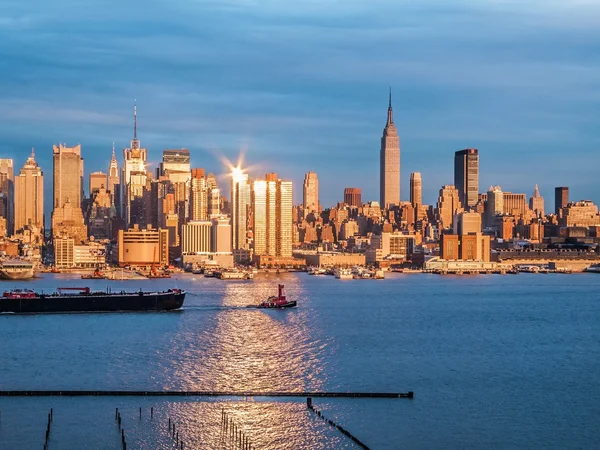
{"type": "Point", "coordinates": [521, 108]}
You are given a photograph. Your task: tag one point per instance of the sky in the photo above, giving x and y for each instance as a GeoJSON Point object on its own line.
{"type": "Point", "coordinates": [299, 86]}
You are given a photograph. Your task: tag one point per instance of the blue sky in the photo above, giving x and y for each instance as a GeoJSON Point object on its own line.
{"type": "Point", "coordinates": [304, 87]}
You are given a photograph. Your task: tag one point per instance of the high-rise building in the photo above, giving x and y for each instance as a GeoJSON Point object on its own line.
{"type": "Point", "coordinates": [272, 216]}
{"type": "Point", "coordinates": [536, 203]}
{"type": "Point", "coordinates": [389, 162]}
{"type": "Point", "coordinates": [240, 202]}
{"type": "Point", "coordinates": [310, 198]}
{"type": "Point", "coordinates": [515, 204]}
{"type": "Point", "coordinates": [29, 196]}
{"type": "Point", "coordinates": [113, 180]}
{"type": "Point", "coordinates": [68, 175]}
{"type": "Point", "coordinates": [198, 196]}
{"type": "Point", "coordinates": [353, 197]}
{"type": "Point", "coordinates": [132, 191]}
{"type": "Point", "coordinates": [7, 207]}
{"type": "Point", "coordinates": [175, 166]}
{"type": "Point", "coordinates": [214, 196]}
{"type": "Point", "coordinates": [448, 205]}
{"type": "Point", "coordinates": [466, 176]}
{"type": "Point", "coordinates": [561, 199]}
{"type": "Point", "coordinates": [97, 181]}
{"type": "Point", "coordinates": [467, 223]}
{"type": "Point", "coordinates": [494, 204]}
{"type": "Point", "coordinates": [416, 190]}
{"type": "Point", "coordinates": [285, 205]}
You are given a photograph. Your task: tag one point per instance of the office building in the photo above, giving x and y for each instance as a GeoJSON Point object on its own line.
{"type": "Point", "coordinates": [536, 203]}
{"type": "Point", "coordinates": [29, 196]}
{"type": "Point", "coordinates": [353, 197]}
{"type": "Point", "coordinates": [272, 216]}
{"type": "Point", "coordinates": [416, 190]}
{"type": "Point", "coordinates": [389, 162]}
{"type": "Point", "coordinates": [199, 196]}
{"type": "Point", "coordinates": [7, 207]}
{"type": "Point", "coordinates": [310, 193]}
{"type": "Point", "coordinates": [448, 205]}
{"type": "Point", "coordinates": [98, 180]}
{"type": "Point", "coordinates": [133, 179]}
{"type": "Point", "coordinates": [466, 176]}
{"type": "Point", "coordinates": [240, 203]}
{"type": "Point", "coordinates": [494, 204]}
{"type": "Point", "coordinates": [68, 176]}
{"type": "Point", "coordinates": [561, 199]}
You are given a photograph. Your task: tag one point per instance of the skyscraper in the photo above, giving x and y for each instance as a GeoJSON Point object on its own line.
{"type": "Point", "coordinates": [536, 203]}
{"type": "Point", "coordinates": [272, 216]}
{"type": "Point", "coordinates": [561, 199]}
{"type": "Point", "coordinates": [29, 195]}
{"type": "Point", "coordinates": [97, 182]}
{"type": "Point", "coordinates": [466, 176]}
{"type": "Point", "coordinates": [416, 190]}
{"type": "Point", "coordinates": [198, 196]}
{"type": "Point", "coordinates": [353, 197]}
{"type": "Point", "coordinates": [494, 205]}
{"type": "Point", "coordinates": [447, 206]}
{"type": "Point", "coordinates": [310, 196]}
{"type": "Point", "coordinates": [132, 190]}
{"type": "Point", "coordinates": [389, 163]}
{"type": "Point", "coordinates": [240, 202]}
{"type": "Point", "coordinates": [7, 178]}
{"type": "Point", "coordinates": [113, 180]}
{"type": "Point", "coordinates": [68, 176]}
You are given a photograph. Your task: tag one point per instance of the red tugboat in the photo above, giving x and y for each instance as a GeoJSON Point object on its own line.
{"type": "Point", "coordinates": [276, 302]}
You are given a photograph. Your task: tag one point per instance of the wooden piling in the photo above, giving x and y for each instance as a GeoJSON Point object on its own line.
{"type": "Point", "coordinates": [151, 412]}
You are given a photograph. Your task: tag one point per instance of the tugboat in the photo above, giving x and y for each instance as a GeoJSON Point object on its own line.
{"type": "Point", "coordinates": [96, 275]}
{"type": "Point", "coordinates": [276, 302]}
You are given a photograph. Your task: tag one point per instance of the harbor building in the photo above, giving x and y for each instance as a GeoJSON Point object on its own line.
{"type": "Point", "coordinates": [142, 247]}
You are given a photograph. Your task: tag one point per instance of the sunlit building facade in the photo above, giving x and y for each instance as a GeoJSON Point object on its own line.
{"type": "Point", "coordinates": [389, 164]}
{"type": "Point", "coordinates": [29, 196]}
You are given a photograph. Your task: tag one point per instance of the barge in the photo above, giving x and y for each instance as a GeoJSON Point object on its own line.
{"type": "Point", "coordinates": [86, 300]}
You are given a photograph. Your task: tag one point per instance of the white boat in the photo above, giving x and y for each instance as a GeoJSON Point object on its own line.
{"type": "Point", "coordinates": [16, 270]}
{"type": "Point", "coordinates": [379, 274]}
{"type": "Point", "coordinates": [231, 274]}
{"type": "Point", "coordinates": [343, 274]}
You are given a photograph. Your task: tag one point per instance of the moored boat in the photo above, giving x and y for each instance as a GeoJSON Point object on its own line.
{"type": "Point", "coordinates": [276, 302]}
{"type": "Point", "coordinates": [86, 300]}
{"type": "Point", "coordinates": [16, 270]}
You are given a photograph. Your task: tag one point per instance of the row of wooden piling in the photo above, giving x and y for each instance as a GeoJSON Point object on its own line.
{"type": "Point", "coordinates": [236, 436]}
{"type": "Point", "coordinates": [174, 434]}
{"type": "Point", "coordinates": [50, 419]}
{"type": "Point", "coordinates": [119, 421]}
{"type": "Point", "coordinates": [335, 425]}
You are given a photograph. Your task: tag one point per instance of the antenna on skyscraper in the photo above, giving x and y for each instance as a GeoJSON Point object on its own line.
{"type": "Point", "coordinates": [135, 119]}
{"type": "Point", "coordinates": [390, 104]}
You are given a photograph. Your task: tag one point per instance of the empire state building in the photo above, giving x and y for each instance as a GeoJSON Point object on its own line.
{"type": "Point", "coordinates": [389, 168]}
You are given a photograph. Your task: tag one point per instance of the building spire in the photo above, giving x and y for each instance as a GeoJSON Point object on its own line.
{"type": "Point", "coordinates": [536, 192]}
{"type": "Point", "coordinates": [32, 153]}
{"type": "Point", "coordinates": [390, 118]}
{"type": "Point", "coordinates": [135, 119]}
{"type": "Point", "coordinates": [113, 153]}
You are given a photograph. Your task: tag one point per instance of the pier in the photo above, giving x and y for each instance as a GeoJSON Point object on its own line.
{"type": "Point", "coordinates": [105, 393]}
